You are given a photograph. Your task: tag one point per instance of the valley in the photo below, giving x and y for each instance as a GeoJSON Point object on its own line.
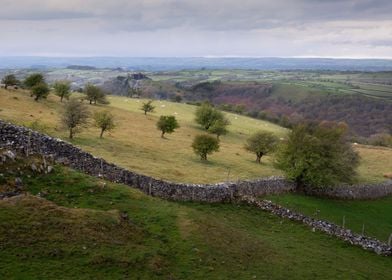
{"type": "Point", "coordinates": [82, 226]}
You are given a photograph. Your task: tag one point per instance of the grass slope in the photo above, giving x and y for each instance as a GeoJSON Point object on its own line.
{"type": "Point", "coordinates": [375, 214]}
{"type": "Point", "coordinates": [78, 232]}
{"type": "Point", "coordinates": [136, 144]}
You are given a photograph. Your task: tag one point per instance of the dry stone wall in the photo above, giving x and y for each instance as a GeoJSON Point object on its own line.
{"type": "Point", "coordinates": [365, 242]}
{"type": "Point", "coordinates": [18, 137]}
{"type": "Point", "coordinates": [28, 141]}
{"type": "Point", "coordinates": [361, 191]}
{"type": "Point", "coordinates": [21, 138]}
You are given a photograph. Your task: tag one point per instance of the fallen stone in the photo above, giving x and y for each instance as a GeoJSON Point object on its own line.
{"type": "Point", "coordinates": [10, 154]}
{"type": "Point", "coordinates": [18, 182]}
{"type": "Point", "coordinates": [33, 167]}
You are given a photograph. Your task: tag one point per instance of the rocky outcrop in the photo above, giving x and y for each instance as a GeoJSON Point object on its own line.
{"type": "Point", "coordinates": [120, 85]}
{"type": "Point", "coordinates": [125, 85]}
{"type": "Point", "coordinates": [139, 76]}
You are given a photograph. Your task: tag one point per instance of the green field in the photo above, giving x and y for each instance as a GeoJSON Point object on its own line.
{"type": "Point", "coordinates": [136, 143]}
{"type": "Point", "coordinates": [374, 215]}
{"type": "Point", "coordinates": [83, 230]}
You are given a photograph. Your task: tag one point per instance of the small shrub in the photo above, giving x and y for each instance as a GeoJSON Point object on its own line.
{"type": "Point", "coordinates": [33, 80]}
{"type": "Point", "coordinates": [95, 94]}
{"type": "Point", "coordinates": [10, 80]}
{"type": "Point", "coordinates": [206, 115]}
{"type": "Point", "coordinates": [40, 91]}
{"type": "Point", "coordinates": [38, 126]}
{"type": "Point", "coordinates": [219, 127]}
{"type": "Point", "coordinates": [147, 107]}
{"type": "Point", "coordinates": [75, 116]}
{"type": "Point", "coordinates": [105, 121]}
{"type": "Point", "coordinates": [261, 143]}
{"type": "Point", "coordinates": [317, 155]}
{"type": "Point", "coordinates": [62, 89]}
{"type": "Point", "coordinates": [204, 145]}
{"type": "Point", "coordinates": [167, 124]}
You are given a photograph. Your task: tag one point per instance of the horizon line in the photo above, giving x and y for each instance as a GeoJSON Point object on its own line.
{"type": "Point", "coordinates": [205, 57]}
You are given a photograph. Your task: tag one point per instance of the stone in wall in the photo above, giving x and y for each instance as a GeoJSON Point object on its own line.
{"type": "Point", "coordinates": [351, 192]}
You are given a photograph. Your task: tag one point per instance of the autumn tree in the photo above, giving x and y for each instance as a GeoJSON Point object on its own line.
{"type": "Point", "coordinates": [167, 124]}
{"type": "Point", "coordinates": [105, 121]}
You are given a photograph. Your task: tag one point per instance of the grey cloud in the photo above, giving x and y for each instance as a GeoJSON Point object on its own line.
{"type": "Point", "coordinates": [54, 15]}
{"type": "Point", "coordinates": [204, 14]}
{"type": "Point", "coordinates": [197, 27]}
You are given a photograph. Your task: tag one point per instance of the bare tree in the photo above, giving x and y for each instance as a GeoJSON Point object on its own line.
{"type": "Point", "coordinates": [148, 107]}
{"type": "Point", "coordinates": [75, 116]}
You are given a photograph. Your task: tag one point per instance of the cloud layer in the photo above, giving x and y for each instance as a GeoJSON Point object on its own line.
{"type": "Point", "coordinates": [334, 28]}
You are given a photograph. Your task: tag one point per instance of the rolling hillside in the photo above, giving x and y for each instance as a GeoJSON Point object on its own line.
{"type": "Point", "coordinates": [136, 141]}
{"type": "Point", "coordinates": [69, 225]}
{"type": "Point", "coordinates": [78, 227]}
{"type": "Point", "coordinates": [361, 99]}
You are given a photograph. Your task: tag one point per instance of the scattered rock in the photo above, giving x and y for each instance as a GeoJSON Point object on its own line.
{"type": "Point", "coordinates": [124, 216]}
{"type": "Point", "coordinates": [11, 155]}
{"type": "Point", "coordinates": [18, 182]}
{"type": "Point", "coordinates": [33, 167]}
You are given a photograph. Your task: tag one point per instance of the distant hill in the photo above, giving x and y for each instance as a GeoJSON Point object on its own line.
{"type": "Point", "coordinates": [168, 63]}
{"type": "Point", "coordinates": [289, 103]}
{"type": "Point", "coordinates": [81, 67]}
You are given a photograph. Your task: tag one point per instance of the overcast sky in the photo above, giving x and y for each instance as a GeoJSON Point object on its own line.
{"type": "Point", "coordinates": [178, 28]}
